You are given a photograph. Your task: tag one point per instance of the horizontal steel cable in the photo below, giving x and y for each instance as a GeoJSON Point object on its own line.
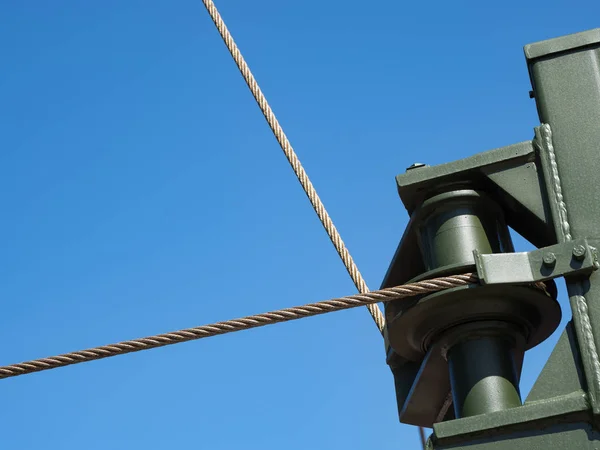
{"type": "Point", "coordinates": [291, 156]}
{"type": "Point", "coordinates": [244, 323]}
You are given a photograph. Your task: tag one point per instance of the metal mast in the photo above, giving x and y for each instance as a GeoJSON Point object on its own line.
{"type": "Point", "coordinates": [457, 355]}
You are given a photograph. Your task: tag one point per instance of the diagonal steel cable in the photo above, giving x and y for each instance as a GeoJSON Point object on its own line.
{"type": "Point", "coordinates": [244, 323]}
{"type": "Point", "coordinates": [423, 438]}
{"type": "Point", "coordinates": [291, 156]}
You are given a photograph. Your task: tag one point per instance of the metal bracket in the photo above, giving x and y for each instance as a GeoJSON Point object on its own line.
{"type": "Point", "coordinates": [566, 259]}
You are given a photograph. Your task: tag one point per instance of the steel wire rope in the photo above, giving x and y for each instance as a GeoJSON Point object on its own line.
{"type": "Point", "coordinates": [231, 326]}
{"type": "Point", "coordinates": [294, 161]}
{"type": "Point", "coordinates": [291, 156]}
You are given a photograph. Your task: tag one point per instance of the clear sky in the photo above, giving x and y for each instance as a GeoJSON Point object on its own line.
{"type": "Point", "coordinates": [142, 192]}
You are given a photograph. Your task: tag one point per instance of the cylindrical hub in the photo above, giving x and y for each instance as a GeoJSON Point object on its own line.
{"type": "Point", "coordinates": [468, 339]}
{"type": "Point", "coordinates": [483, 376]}
{"type": "Point", "coordinates": [457, 222]}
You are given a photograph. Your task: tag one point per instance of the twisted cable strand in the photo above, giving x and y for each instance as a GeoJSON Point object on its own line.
{"type": "Point", "coordinates": [291, 156]}
{"type": "Point", "coordinates": [244, 323]}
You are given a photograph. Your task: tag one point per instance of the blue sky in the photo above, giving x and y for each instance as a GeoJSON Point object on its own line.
{"type": "Point", "coordinates": [142, 192]}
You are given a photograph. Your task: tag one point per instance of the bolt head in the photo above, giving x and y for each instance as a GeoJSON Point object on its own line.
{"type": "Point", "coordinates": [549, 259]}
{"type": "Point", "coordinates": [415, 166]}
{"type": "Point", "coordinates": [579, 252]}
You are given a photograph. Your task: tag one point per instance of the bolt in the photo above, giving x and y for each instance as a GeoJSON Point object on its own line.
{"type": "Point", "coordinates": [531, 94]}
{"type": "Point", "coordinates": [579, 252]}
{"type": "Point", "coordinates": [416, 166]}
{"type": "Point", "coordinates": [549, 259]}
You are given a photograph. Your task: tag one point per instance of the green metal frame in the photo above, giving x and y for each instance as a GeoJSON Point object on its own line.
{"type": "Point", "coordinates": [548, 190]}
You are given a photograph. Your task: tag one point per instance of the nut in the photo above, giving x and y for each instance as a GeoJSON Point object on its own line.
{"type": "Point", "coordinates": [549, 259]}
{"type": "Point", "coordinates": [579, 252]}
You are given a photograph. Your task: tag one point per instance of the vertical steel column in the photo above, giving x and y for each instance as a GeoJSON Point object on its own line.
{"type": "Point", "coordinates": [565, 75]}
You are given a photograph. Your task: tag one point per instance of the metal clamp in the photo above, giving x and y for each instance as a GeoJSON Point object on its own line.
{"type": "Point", "coordinates": [570, 258]}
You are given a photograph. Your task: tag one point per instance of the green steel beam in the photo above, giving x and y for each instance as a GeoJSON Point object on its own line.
{"type": "Point", "coordinates": [548, 190]}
